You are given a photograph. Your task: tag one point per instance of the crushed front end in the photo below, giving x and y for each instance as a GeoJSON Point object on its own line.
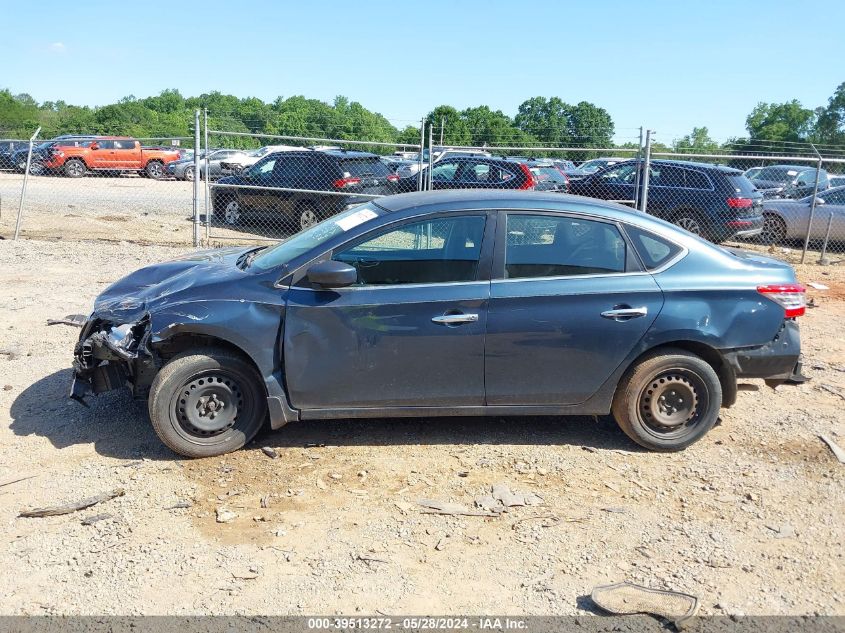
{"type": "Point", "coordinates": [112, 355]}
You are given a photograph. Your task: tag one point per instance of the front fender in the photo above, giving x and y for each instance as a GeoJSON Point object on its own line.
{"type": "Point", "coordinates": [254, 328]}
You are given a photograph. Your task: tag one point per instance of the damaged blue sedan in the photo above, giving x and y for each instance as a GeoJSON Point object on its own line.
{"type": "Point", "coordinates": [453, 303]}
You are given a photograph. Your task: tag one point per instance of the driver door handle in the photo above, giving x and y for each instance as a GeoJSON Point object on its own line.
{"type": "Point", "coordinates": [455, 319]}
{"type": "Point", "coordinates": [619, 314]}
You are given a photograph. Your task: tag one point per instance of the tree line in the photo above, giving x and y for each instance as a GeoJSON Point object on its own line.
{"type": "Point", "coordinates": [538, 122]}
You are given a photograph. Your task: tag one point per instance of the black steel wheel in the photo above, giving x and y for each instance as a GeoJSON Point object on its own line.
{"type": "Point", "coordinates": [668, 400]}
{"type": "Point", "coordinates": [207, 403]}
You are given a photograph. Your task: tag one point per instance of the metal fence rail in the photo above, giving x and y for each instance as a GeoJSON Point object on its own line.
{"type": "Point", "coordinates": [243, 187]}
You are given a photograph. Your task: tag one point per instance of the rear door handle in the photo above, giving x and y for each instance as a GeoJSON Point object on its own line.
{"type": "Point", "coordinates": [455, 319]}
{"type": "Point", "coordinates": [619, 314]}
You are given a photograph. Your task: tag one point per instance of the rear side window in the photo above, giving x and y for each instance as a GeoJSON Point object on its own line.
{"type": "Point", "coordinates": [549, 246]}
{"type": "Point", "coordinates": [363, 168]}
{"type": "Point", "coordinates": [124, 144]}
{"type": "Point", "coordinates": [740, 183]}
{"type": "Point", "coordinates": [654, 251]}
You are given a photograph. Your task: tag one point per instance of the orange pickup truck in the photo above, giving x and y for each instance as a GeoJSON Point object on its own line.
{"type": "Point", "coordinates": [109, 153]}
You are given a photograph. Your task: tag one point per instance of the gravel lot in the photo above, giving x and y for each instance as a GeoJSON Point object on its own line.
{"type": "Point", "coordinates": [750, 519]}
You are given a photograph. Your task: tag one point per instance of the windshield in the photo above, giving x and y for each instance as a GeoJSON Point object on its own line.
{"type": "Point", "coordinates": [284, 252]}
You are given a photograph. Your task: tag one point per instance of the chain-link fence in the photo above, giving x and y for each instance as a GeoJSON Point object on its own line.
{"type": "Point", "coordinates": [244, 187]}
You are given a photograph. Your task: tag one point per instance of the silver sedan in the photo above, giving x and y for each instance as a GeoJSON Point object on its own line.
{"type": "Point", "coordinates": [787, 219]}
{"type": "Point", "coordinates": [184, 169]}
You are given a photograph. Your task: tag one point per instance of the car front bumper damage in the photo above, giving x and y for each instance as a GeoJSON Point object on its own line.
{"type": "Point", "coordinates": [110, 356]}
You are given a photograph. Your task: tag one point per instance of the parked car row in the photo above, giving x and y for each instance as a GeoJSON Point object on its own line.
{"type": "Point", "coordinates": [300, 186]}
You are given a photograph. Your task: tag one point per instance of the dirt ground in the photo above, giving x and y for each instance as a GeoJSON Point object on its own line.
{"type": "Point", "coordinates": [750, 519]}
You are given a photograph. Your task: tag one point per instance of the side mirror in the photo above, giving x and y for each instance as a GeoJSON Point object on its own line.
{"type": "Point", "coordinates": [819, 201]}
{"type": "Point", "coordinates": [332, 274]}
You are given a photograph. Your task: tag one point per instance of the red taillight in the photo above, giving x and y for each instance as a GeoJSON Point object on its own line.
{"type": "Point", "coordinates": [529, 183]}
{"type": "Point", "coordinates": [739, 203]}
{"type": "Point", "coordinates": [791, 296]}
{"type": "Point", "coordinates": [341, 183]}
{"type": "Point", "coordinates": [393, 178]}
{"type": "Point", "coordinates": [565, 177]}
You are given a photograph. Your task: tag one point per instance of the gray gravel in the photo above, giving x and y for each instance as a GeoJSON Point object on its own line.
{"type": "Point", "coordinates": [750, 519]}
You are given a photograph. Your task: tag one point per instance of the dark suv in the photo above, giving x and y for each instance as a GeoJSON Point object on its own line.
{"type": "Point", "coordinates": [473, 172]}
{"type": "Point", "coordinates": [789, 181]}
{"type": "Point", "coordinates": [713, 201]}
{"type": "Point", "coordinates": [294, 190]}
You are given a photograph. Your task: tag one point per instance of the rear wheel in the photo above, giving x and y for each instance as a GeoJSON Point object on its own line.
{"type": "Point", "coordinates": [774, 229]}
{"type": "Point", "coordinates": [668, 400]}
{"type": "Point", "coordinates": [207, 403]}
{"type": "Point", "coordinates": [189, 173]}
{"type": "Point", "coordinates": [155, 169]}
{"type": "Point", "coordinates": [74, 168]}
{"type": "Point", "coordinates": [231, 212]}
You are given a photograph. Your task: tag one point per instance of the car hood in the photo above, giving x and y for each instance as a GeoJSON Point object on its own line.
{"type": "Point", "coordinates": [191, 277]}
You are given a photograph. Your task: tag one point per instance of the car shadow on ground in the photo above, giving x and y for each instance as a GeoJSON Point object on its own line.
{"type": "Point", "coordinates": [118, 427]}
{"type": "Point", "coordinates": [114, 423]}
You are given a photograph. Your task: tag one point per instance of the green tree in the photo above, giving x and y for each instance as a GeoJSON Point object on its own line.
{"type": "Point", "coordinates": [698, 141]}
{"type": "Point", "coordinates": [788, 121]}
{"type": "Point", "coordinates": [830, 122]}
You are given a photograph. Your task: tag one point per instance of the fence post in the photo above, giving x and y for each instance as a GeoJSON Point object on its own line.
{"type": "Point", "coordinates": [812, 205]}
{"type": "Point", "coordinates": [196, 207]}
{"type": "Point", "coordinates": [646, 167]}
{"type": "Point", "coordinates": [430, 153]}
{"type": "Point", "coordinates": [637, 180]}
{"type": "Point", "coordinates": [25, 180]}
{"type": "Point", "coordinates": [207, 192]}
{"type": "Point", "coordinates": [422, 149]}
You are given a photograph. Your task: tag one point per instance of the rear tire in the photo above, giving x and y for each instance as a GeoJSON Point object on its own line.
{"type": "Point", "coordinates": [668, 400]}
{"type": "Point", "coordinates": [155, 170]}
{"type": "Point", "coordinates": [189, 174]}
{"type": "Point", "coordinates": [75, 168]}
{"type": "Point", "coordinates": [207, 403]}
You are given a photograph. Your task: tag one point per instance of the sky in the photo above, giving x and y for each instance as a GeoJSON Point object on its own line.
{"type": "Point", "coordinates": [665, 65]}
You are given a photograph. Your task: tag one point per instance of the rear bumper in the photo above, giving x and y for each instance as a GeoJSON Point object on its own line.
{"type": "Point", "coordinates": [776, 362]}
{"type": "Point", "coordinates": [745, 227]}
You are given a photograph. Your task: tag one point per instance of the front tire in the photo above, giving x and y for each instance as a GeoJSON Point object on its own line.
{"type": "Point", "coordinates": [774, 229]}
{"type": "Point", "coordinates": [74, 168]}
{"type": "Point", "coordinates": [207, 403]}
{"type": "Point", "coordinates": [667, 401]}
{"type": "Point", "coordinates": [308, 216]}
{"type": "Point", "coordinates": [189, 174]}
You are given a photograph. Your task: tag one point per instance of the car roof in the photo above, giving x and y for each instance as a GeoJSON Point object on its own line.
{"type": "Point", "coordinates": [730, 171]}
{"type": "Point", "coordinates": [496, 199]}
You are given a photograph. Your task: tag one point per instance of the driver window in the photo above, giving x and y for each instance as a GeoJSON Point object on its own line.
{"type": "Point", "coordinates": [624, 175]}
{"type": "Point", "coordinates": [444, 172]}
{"type": "Point", "coordinates": [440, 250]}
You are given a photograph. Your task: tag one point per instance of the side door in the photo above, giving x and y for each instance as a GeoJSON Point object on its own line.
{"type": "Point", "coordinates": [567, 304]}
{"type": "Point", "coordinates": [444, 175]}
{"type": "Point", "coordinates": [616, 183]}
{"type": "Point", "coordinates": [263, 174]}
{"type": "Point", "coordinates": [668, 192]}
{"type": "Point", "coordinates": [831, 212]}
{"type": "Point", "coordinates": [409, 333]}
{"type": "Point", "coordinates": [99, 157]}
{"type": "Point", "coordinates": [126, 154]}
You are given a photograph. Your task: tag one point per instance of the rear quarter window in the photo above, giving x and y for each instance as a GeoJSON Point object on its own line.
{"type": "Point", "coordinates": [654, 251]}
{"type": "Point", "coordinates": [740, 183]}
